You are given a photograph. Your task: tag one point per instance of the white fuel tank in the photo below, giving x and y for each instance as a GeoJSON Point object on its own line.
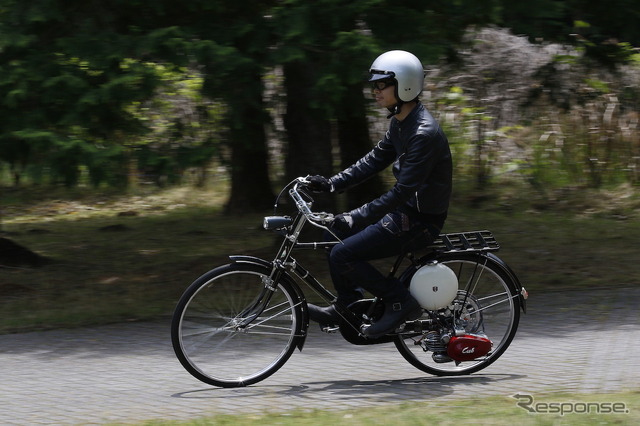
{"type": "Point", "coordinates": [434, 286]}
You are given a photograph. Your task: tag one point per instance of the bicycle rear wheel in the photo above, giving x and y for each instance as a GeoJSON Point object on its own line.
{"type": "Point", "coordinates": [215, 338]}
{"type": "Point", "coordinates": [488, 299]}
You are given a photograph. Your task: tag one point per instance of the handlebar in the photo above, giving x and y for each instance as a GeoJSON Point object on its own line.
{"type": "Point", "coordinates": [298, 195]}
{"type": "Point", "coordinates": [303, 202]}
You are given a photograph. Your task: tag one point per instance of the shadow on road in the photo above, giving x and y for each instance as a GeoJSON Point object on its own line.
{"type": "Point", "coordinates": [372, 390]}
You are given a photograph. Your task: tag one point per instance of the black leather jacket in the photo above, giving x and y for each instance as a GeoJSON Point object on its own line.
{"type": "Point", "coordinates": [422, 167]}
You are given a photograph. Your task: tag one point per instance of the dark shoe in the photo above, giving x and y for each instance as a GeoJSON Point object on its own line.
{"type": "Point", "coordinates": [395, 313]}
{"type": "Point", "coordinates": [324, 316]}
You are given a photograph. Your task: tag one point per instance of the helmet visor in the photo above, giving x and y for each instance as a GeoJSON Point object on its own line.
{"type": "Point", "coordinates": [380, 74]}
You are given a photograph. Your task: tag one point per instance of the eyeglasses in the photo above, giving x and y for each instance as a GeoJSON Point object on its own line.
{"type": "Point", "coordinates": [382, 84]}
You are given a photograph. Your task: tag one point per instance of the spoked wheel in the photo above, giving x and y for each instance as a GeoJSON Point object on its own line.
{"type": "Point", "coordinates": [487, 304]}
{"type": "Point", "coordinates": [229, 329]}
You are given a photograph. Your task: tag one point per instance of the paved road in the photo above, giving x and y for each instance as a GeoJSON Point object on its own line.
{"type": "Point", "coordinates": [585, 342]}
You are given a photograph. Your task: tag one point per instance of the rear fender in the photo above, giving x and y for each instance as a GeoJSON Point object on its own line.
{"type": "Point", "coordinates": [522, 294]}
{"type": "Point", "coordinates": [495, 260]}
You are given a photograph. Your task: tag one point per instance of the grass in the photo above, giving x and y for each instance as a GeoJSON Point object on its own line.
{"type": "Point", "coordinates": [125, 259]}
{"type": "Point", "coordinates": [577, 410]}
{"type": "Point", "coordinates": [129, 257]}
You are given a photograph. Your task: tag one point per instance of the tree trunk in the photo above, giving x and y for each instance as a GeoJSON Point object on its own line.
{"type": "Point", "coordinates": [308, 129]}
{"type": "Point", "coordinates": [250, 184]}
{"type": "Point", "coordinates": [354, 140]}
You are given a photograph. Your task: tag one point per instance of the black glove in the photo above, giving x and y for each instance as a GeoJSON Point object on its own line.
{"type": "Point", "coordinates": [342, 223]}
{"type": "Point", "coordinates": [319, 184]}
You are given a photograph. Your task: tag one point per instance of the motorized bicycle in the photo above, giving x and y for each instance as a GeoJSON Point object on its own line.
{"type": "Point", "coordinates": [240, 322]}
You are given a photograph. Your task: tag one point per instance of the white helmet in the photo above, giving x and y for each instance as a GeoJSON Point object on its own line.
{"type": "Point", "coordinates": [434, 286]}
{"type": "Point", "coordinates": [405, 68]}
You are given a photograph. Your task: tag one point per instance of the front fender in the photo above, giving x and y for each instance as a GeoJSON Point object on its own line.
{"type": "Point", "coordinates": [250, 259]}
{"type": "Point", "coordinates": [285, 275]}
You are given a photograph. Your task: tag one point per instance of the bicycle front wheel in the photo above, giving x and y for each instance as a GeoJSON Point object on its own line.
{"type": "Point", "coordinates": [233, 327]}
{"type": "Point", "coordinates": [488, 300]}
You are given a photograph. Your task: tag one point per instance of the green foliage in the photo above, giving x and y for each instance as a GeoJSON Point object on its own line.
{"type": "Point", "coordinates": [64, 87]}
{"type": "Point", "coordinates": [330, 36]}
{"type": "Point", "coordinates": [599, 85]}
{"type": "Point", "coordinates": [106, 165]}
{"type": "Point", "coordinates": [90, 92]}
{"type": "Point", "coordinates": [428, 29]}
{"type": "Point", "coordinates": [185, 128]}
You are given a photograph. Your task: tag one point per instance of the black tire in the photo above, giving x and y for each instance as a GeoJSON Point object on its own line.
{"type": "Point", "coordinates": [207, 332]}
{"type": "Point", "coordinates": [493, 307]}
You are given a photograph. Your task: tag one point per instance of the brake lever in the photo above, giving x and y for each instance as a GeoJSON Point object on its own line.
{"type": "Point", "coordinates": [315, 221]}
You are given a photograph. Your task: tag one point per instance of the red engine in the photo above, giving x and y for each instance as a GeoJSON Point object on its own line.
{"type": "Point", "coordinates": [468, 347]}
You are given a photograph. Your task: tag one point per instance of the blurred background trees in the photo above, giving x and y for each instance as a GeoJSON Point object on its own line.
{"type": "Point", "coordinates": [118, 92]}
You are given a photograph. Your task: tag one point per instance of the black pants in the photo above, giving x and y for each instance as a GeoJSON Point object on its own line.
{"type": "Point", "coordinates": [394, 234]}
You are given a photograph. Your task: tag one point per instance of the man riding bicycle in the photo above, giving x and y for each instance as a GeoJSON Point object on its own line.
{"type": "Point", "coordinates": [408, 216]}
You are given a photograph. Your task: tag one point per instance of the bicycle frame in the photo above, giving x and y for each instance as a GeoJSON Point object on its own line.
{"type": "Point", "coordinates": [284, 261]}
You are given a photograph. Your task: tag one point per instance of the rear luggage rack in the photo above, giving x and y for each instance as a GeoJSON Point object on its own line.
{"type": "Point", "coordinates": [465, 242]}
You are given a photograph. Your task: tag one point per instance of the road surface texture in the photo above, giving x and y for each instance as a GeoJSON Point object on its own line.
{"type": "Point", "coordinates": [582, 341]}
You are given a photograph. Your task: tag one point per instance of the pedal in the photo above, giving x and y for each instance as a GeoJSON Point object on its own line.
{"type": "Point", "coordinates": [330, 329]}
